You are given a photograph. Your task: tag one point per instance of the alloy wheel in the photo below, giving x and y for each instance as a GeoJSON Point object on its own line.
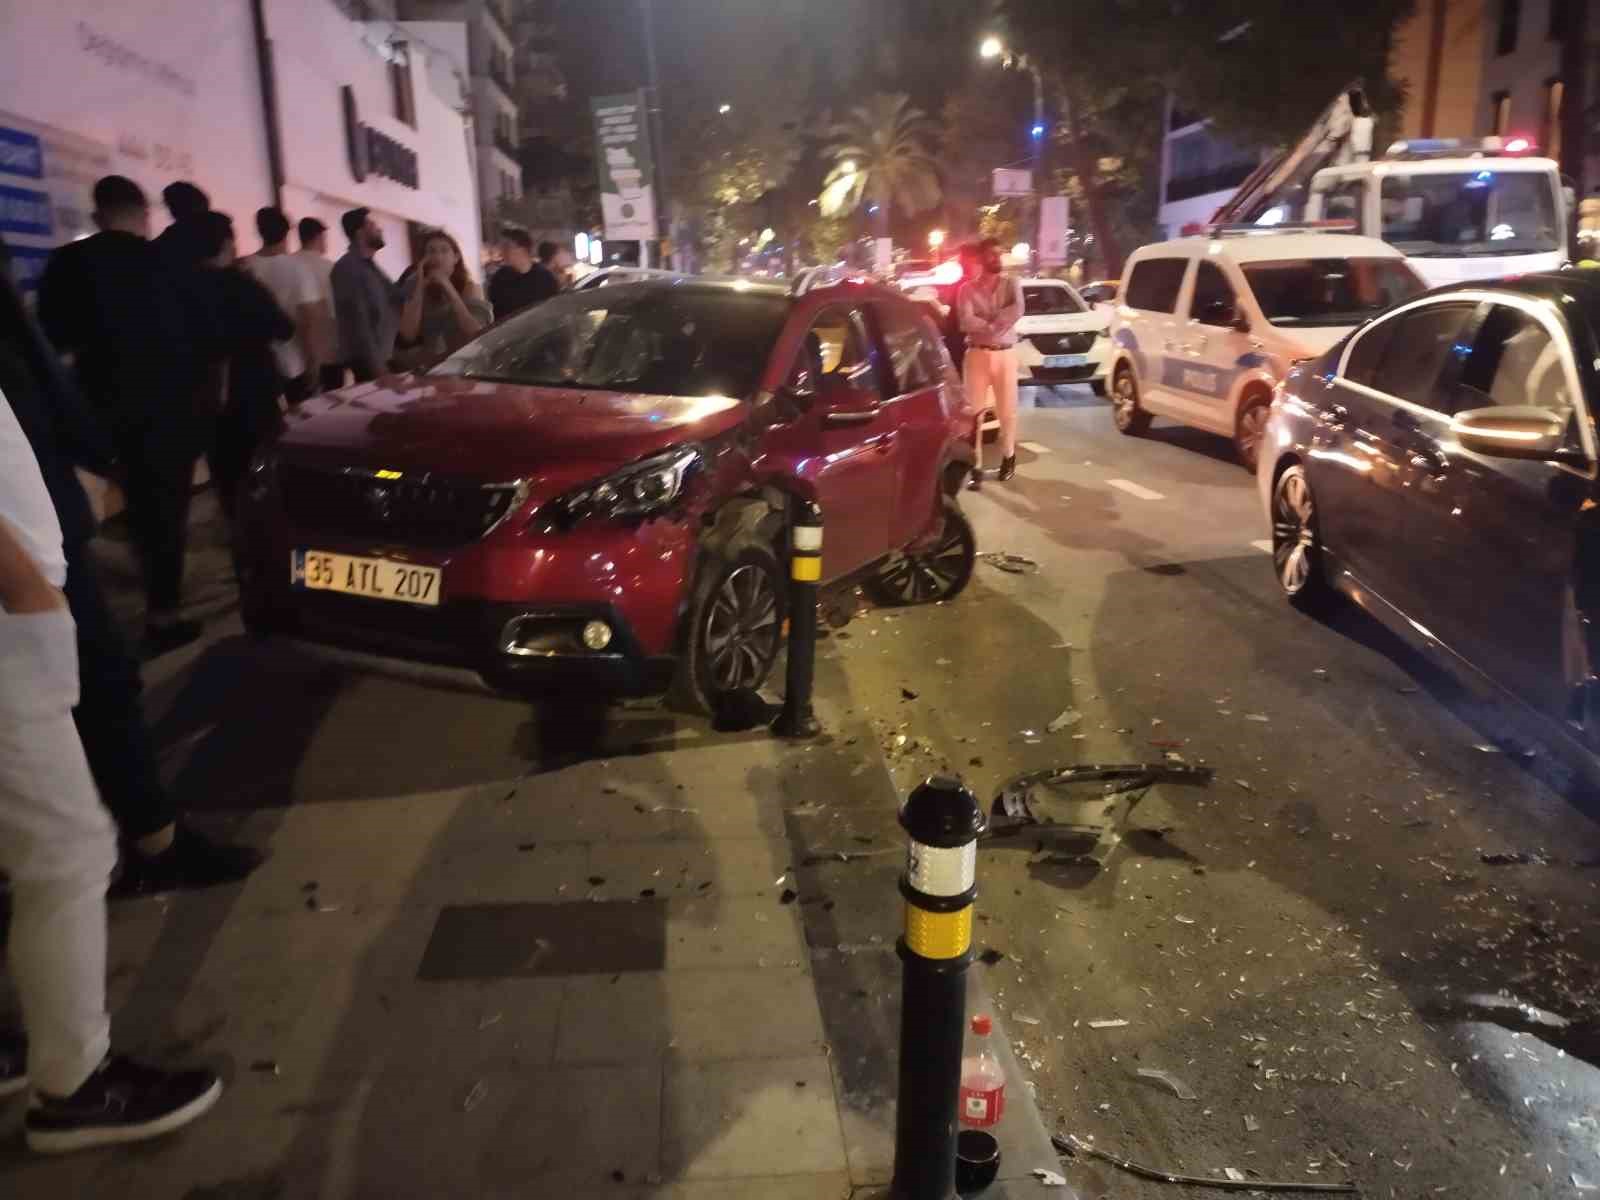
{"type": "Point", "coordinates": [1252, 429]}
{"type": "Point", "coordinates": [935, 574]}
{"type": "Point", "coordinates": [1294, 533]}
{"type": "Point", "coordinates": [1123, 402]}
{"type": "Point", "coordinates": [742, 629]}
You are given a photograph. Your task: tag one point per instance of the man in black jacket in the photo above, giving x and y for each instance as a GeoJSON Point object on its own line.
{"type": "Point", "coordinates": [136, 333]}
{"type": "Point", "coordinates": [158, 852]}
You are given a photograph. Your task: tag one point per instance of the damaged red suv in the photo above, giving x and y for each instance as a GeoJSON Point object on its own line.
{"type": "Point", "coordinates": [596, 492]}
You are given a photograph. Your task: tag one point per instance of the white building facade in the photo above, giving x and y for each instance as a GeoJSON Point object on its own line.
{"type": "Point", "coordinates": [364, 113]}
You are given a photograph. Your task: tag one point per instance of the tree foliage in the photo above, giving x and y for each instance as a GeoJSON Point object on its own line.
{"type": "Point", "coordinates": [882, 152]}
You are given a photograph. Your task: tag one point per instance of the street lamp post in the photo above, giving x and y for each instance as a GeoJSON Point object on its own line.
{"type": "Point", "coordinates": [993, 48]}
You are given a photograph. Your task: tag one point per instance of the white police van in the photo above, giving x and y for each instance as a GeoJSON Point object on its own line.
{"type": "Point", "coordinates": [1206, 326]}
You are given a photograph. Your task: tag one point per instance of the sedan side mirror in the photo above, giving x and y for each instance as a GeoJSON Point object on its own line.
{"type": "Point", "coordinates": [1515, 431]}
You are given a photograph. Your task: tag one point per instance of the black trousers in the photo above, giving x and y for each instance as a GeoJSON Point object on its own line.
{"type": "Point", "coordinates": [109, 718]}
{"type": "Point", "coordinates": [158, 486]}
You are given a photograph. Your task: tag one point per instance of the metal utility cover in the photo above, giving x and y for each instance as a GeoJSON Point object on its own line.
{"type": "Point", "coordinates": [518, 941]}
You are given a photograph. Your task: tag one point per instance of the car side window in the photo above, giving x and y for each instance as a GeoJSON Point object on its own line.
{"type": "Point", "coordinates": [1155, 283]}
{"type": "Point", "coordinates": [1366, 354]}
{"type": "Point", "coordinates": [1419, 350]}
{"type": "Point", "coordinates": [1514, 362]}
{"type": "Point", "coordinates": [1213, 302]}
{"type": "Point", "coordinates": [1343, 202]}
{"type": "Point", "coordinates": [913, 355]}
{"type": "Point", "coordinates": [833, 346]}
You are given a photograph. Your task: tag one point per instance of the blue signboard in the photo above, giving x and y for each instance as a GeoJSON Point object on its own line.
{"type": "Point", "coordinates": [20, 154]}
{"type": "Point", "coordinates": [27, 263]}
{"type": "Point", "coordinates": [23, 210]}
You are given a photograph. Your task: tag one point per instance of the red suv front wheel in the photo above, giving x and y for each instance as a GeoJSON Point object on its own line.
{"type": "Point", "coordinates": [736, 623]}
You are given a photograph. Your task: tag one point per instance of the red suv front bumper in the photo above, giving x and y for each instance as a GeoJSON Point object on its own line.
{"type": "Point", "coordinates": [512, 602]}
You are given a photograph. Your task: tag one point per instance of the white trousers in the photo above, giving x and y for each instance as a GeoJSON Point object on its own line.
{"type": "Point", "coordinates": [58, 845]}
{"type": "Point", "coordinates": [991, 380]}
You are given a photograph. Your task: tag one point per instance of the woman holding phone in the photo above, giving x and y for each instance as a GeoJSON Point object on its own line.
{"type": "Point", "coordinates": [444, 308]}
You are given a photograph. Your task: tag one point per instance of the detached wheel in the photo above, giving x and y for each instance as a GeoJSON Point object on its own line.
{"type": "Point", "coordinates": [1250, 429]}
{"type": "Point", "coordinates": [736, 625]}
{"type": "Point", "coordinates": [1297, 543]}
{"type": "Point", "coordinates": [1126, 412]}
{"type": "Point", "coordinates": [940, 572]}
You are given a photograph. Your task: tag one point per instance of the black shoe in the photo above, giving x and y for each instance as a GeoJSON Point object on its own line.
{"type": "Point", "coordinates": [977, 481]}
{"type": "Point", "coordinates": [1008, 468]}
{"type": "Point", "coordinates": [13, 1063]}
{"type": "Point", "coordinates": [192, 861]}
{"type": "Point", "coordinates": [169, 636]}
{"type": "Point", "coordinates": [121, 1102]}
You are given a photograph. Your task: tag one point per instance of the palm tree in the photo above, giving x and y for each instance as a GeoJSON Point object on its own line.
{"type": "Point", "coordinates": [880, 153]}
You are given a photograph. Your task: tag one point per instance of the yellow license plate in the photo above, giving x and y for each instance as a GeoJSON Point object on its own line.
{"type": "Point", "coordinates": [374, 578]}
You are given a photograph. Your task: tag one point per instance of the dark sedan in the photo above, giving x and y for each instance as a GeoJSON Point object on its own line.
{"type": "Point", "coordinates": [1439, 467]}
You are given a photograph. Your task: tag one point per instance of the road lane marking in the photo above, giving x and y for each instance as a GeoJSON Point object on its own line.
{"type": "Point", "coordinates": [1263, 545]}
{"type": "Point", "coordinates": [1035, 447]}
{"type": "Point", "coordinates": [1133, 489]}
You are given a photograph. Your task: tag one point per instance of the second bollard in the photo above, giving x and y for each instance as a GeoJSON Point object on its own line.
{"type": "Point", "coordinates": [943, 820]}
{"type": "Point", "coordinates": [805, 575]}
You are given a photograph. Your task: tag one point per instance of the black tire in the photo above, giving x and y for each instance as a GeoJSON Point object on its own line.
{"type": "Point", "coordinates": [736, 621]}
{"type": "Point", "coordinates": [1098, 387]}
{"type": "Point", "coordinates": [1127, 414]}
{"type": "Point", "coordinates": [941, 572]}
{"type": "Point", "coordinates": [1297, 553]}
{"type": "Point", "coordinates": [1249, 429]}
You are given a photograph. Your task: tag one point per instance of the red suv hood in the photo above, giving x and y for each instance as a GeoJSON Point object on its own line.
{"type": "Point", "coordinates": [496, 431]}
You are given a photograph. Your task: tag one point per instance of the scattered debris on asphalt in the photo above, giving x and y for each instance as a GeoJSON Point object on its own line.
{"type": "Point", "coordinates": [991, 956]}
{"type": "Point", "coordinates": [265, 1066]}
{"type": "Point", "coordinates": [1072, 1146]}
{"type": "Point", "coordinates": [1012, 804]}
{"type": "Point", "coordinates": [1049, 1178]}
{"type": "Point", "coordinates": [1245, 784]}
{"type": "Point", "coordinates": [1109, 1023]}
{"type": "Point", "coordinates": [1179, 1088]}
{"type": "Point", "coordinates": [844, 856]}
{"type": "Point", "coordinates": [1260, 718]}
{"type": "Point", "coordinates": [1516, 858]}
{"type": "Point", "coordinates": [476, 1096]}
{"type": "Point", "coordinates": [1066, 720]}
{"type": "Point", "coordinates": [1013, 564]}
{"type": "Point", "coordinates": [1321, 673]}
{"type": "Point", "coordinates": [907, 694]}
{"type": "Point", "coordinates": [789, 896]}
{"type": "Point", "coordinates": [1022, 1020]}
{"type": "Point", "coordinates": [524, 847]}
{"type": "Point", "coordinates": [1251, 1125]}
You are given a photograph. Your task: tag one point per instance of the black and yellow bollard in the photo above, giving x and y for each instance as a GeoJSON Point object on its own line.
{"type": "Point", "coordinates": [805, 575]}
{"type": "Point", "coordinates": [943, 820]}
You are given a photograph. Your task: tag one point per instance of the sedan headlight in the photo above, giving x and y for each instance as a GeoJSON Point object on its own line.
{"type": "Point", "coordinates": [640, 490]}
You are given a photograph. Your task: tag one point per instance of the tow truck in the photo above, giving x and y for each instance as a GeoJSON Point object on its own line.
{"type": "Point", "coordinates": [1457, 209]}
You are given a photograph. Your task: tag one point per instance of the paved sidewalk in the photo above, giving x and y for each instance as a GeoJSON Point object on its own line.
{"type": "Point", "coordinates": [498, 952]}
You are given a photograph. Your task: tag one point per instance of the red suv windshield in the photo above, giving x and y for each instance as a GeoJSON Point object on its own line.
{"type": "Point", "coordinates": [663, 339]}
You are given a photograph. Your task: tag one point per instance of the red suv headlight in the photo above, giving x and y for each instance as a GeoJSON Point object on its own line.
{"type": "Point", "coordinates": [640, 490]}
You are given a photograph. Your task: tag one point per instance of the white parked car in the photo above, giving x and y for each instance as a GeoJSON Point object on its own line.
{"type": "Point", "coordinates": [1060, 339]}
{"type": "Point", "coordinates": [1205, 327]}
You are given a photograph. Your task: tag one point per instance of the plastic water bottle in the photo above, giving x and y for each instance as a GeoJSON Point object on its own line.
{"type": "Point", "coordinates": [983, 1083]}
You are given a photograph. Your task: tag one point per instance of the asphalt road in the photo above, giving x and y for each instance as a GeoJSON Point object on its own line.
{"type": "Point", "coordinates": [1314, 945]}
